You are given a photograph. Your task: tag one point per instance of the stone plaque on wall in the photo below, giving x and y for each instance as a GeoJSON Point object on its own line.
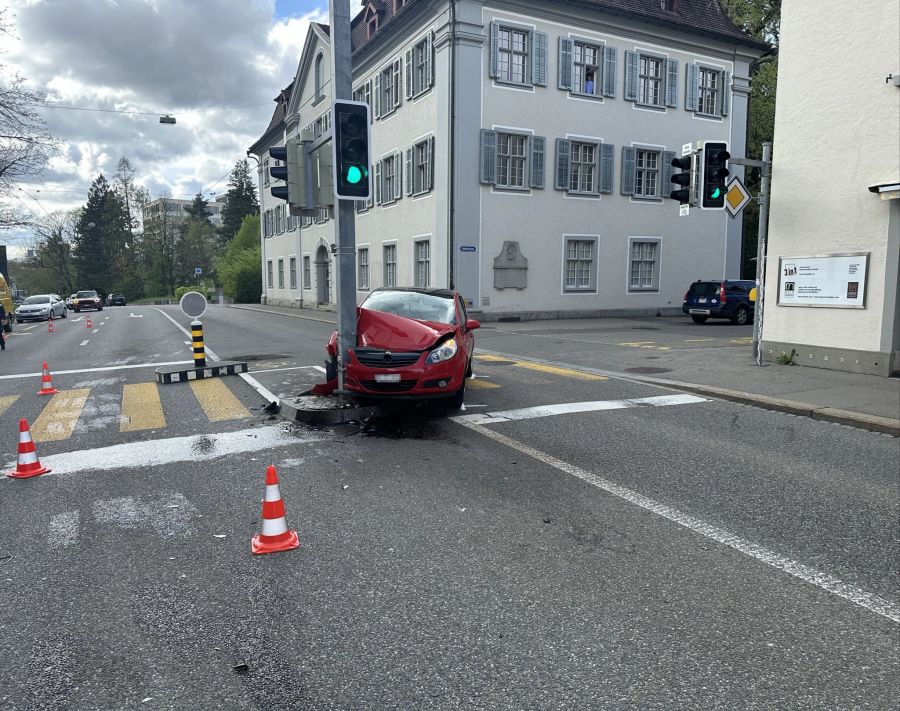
{"type": "Point", "coordinates": [510, 268]}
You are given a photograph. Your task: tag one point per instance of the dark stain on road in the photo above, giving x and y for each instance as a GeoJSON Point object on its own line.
{"type": "Point", "coordinates": [203, 445]}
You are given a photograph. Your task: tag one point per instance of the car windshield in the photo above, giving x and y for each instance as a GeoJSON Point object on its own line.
{"type": "Point", "coordinates": [86, 295]}
{"type": "Point", "coordinates": [704, 288]}
{"type": "Point", "coordinates": [412, 304]}
{"type": "Point", "coordinates": [37, 300]}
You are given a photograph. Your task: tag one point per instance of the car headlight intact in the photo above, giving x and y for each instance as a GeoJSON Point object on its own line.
{"type": "Point", "coordinates": [443, 352]}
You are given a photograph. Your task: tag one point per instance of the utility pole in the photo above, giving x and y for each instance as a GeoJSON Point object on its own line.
{"type": "Point", "coordinates": [765, 166]}
{"type": "Point", "coordinates": [344, 213]}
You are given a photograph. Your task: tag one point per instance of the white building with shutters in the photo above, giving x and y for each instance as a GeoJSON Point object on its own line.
{"type": "Point", "coordinates": [521, 153]}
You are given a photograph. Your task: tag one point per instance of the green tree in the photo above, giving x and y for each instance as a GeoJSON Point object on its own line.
{"type": "Point", "coordinates": [197, 247]}
{"type": "Point", "coordinates": [102, 234]}
{"type": "Point", "coordinates": [761, 19]}
{"type": "Point", "coordinates": [158, 251]}
{"type": "Point", "coordinates": [240, 201]}
{"type": "Point", "coordinates": [239, 268]}
{"type": "Point", "coordinates": [53, 252]}
{"type": "Point", "coordinates": [197, 209]}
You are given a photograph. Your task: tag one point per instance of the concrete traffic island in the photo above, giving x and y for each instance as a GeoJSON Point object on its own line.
{"type": "Point", "coordinates": [324, 409]}
{"type": "Point", "coordinates": [180, 373]}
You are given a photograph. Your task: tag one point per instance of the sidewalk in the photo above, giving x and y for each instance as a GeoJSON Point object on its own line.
{"type": "Point", "coordinates": [866, 401]}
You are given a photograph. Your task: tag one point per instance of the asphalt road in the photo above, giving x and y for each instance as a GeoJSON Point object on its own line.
{"type": "Point", "coordinates": [564, 542]}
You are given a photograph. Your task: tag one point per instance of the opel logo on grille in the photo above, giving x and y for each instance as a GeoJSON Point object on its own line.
{"type": "Point", "coordinates": [388, 356]}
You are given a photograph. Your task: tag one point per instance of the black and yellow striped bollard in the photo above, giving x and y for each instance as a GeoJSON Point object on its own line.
{"type": "Point", "coordinates": [199, 350]}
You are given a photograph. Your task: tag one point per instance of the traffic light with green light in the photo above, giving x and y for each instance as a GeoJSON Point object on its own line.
{"type": "Point", "coordinates": [715, 174]}
{"type": "Point", "coordinates": [351, 150]}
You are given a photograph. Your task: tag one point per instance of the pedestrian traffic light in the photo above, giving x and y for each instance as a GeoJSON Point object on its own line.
{"type": "Point", "coordinates": [290, 172]}
{"type": "Point", "coordinates": [351, 150]}
{"type": "Point", "coordinates": [715, 174]}
{"type": "Point", "coordinates": [687, 166]}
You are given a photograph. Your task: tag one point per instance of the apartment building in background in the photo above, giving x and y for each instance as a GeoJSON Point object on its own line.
{"type": "Point", "coordinates": [521, 153]}
{"type": "Point", "coordinates": [176, 210]}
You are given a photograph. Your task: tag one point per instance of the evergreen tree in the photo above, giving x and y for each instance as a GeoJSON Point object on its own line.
{"type": "Point", "coordinates": [102, 234]}
{"type": "Point", "coordinates": [240, 201]}
{"type": "Point", "coordinates": [197, 209]}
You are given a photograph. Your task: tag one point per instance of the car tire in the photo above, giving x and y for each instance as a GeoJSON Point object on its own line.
{"type": "Point", "coordinates": [469, 368]}
{"type": "Point", "coordinates": [65, 313]}
{"type": "Point", "coordinates": [741, 316]}
{"type": "Point", "coordinates": [456, 400]}
{"type": "Point", "coordinates": [99, 308]}
{"type": "Point", "coordinates": [698, 319]}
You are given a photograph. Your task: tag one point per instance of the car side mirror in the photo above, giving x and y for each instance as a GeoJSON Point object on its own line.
{"type": "Point", "coordinates": [472, 324]}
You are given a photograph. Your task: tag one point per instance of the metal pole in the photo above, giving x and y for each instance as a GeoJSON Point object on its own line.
{"type": "Point", "coordinates": [761, 250]}
{"type": "Point", "coordinates": [344, 214]}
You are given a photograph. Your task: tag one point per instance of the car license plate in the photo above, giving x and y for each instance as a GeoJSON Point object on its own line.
{"type": "Point", "coordinates": [699, 311]}
{"type": "Point", "coordinates": [387, 377]}
{"type": "Point", "coordinates": [701, 300]}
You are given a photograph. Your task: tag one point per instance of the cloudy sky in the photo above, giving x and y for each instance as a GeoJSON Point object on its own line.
{"type": "Point", "coordinates": [215, 65]}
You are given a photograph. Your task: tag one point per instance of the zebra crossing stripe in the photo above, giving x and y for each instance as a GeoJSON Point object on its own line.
{"type": "Point", "coordinates": [58, 419]}
{"type": "Point", "coordinates": [217, 401]}
{"type": "Point", "coordinates": [6, 401]}
{"type": "Point", "coordinates": [141, 408]}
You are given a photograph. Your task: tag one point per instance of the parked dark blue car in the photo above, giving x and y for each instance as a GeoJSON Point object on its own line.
{"type": "Point", "coordinates": [725, 298]}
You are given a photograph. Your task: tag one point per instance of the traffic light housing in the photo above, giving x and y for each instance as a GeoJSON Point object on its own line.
{"type": "Point", "coordinates": [352, 180]}
{"type": "Point", "coordinates": [290, 172]}
{"type": "Point", "coordinates": [715, 175]}
{"type": "Point", "coordinates": [685, 179]}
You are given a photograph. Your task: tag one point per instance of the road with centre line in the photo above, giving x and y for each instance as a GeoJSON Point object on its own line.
{"type": "Point", "coordinates": [566, 540]}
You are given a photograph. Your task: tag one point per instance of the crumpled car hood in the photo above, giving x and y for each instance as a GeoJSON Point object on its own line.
{"type": "Point", "coordinates": [377, 329]}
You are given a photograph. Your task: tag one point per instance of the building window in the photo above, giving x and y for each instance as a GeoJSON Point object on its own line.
{"type": "Point", "coordinates": [389, 179]}
{"type": "Point", "coordinates": [418, 68]}
{"type": "Point", "coordinates": [667, 5]}
{"type": "Point", "coordinates": [270, 280]}
{"type": "Point", "coordinates": [423, 166]}
{"type": "Point", "coordinates": [318, 77]}
{"type": "Point", "coordinates": [511, 160]}
{"type": "Point", "coordinates": [650, 79]}
{"type": "Point", "coordinates": [586, 78]}
{"type": "Point", "coordinates": [708, 101]}
{"type": "Point", "coordinates": [265, 170]}
{"type": "Point", "coordinates": [512, 55]}
{"type": "Point", "coordinates": [646, 173]}
{"type": "Point", "coordinates": [390, 265]}
{"type": "Point", "coordinates": [423, 263]}
{"type": "Point", "coordinates": [644, 267]}
{"type": "Point", "coordinates": [373, 26]}
{"type": "Point", "coordinates": [321, 216]}
{"type": "Point", "coordinates": [388, 90]}
{"type": "Point", "coordinates": [293, 266]}
{"type": "Point", "coordinates": [579, 269]}
{"type": "Point", "coordinates": [307, 280]}
{"type": "Point", "coordinates": [280, 273]}
{"type": "Point", "coordinates": [363, 93]}
{"type": "Point", "coordinates": [583, 165]}
{"type": "Point", "coordinates": [362, 268]}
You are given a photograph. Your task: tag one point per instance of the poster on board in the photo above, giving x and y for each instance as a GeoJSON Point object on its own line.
{"type": "Point", "coordinates": [835, 280]}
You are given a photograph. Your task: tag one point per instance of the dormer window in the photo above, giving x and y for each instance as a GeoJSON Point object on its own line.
{"type": "Point", "coordinates": [398, 4]}
{"type": "Point", "coordinates": [668, 5]}
{"type": "Point", "coordinates": [373, 26]}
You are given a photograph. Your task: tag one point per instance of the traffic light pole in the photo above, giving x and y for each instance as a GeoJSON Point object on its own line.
{"type": "Point", "coordinates": [344, 213]}
{"type": "Point", "coordinates": [761, 249]}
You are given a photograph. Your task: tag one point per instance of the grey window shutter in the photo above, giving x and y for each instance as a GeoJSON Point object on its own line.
{"type": "Point", "coordinates": [495, 48]}
{"type": "Point", "coordinates": [672, 82]}
{"type": "Point", "coordinates": [431, 163]}
{"type": "Point", "coordinates": [628, 157]}
{"type": "Point", "coordinates": [726, 93]}
{"type": "Point", "coordinates": [398, 175]}
{"type": "Point", "coordinates": [609, 71]}
{"type": "Point", "coordinates": [398, 76]}
{"type": "Point", "coordinates": [607, 160]}
{"type": "Point", "coordinates": [378, 183]}
{"type": "Point", "coordinates": [565, 63]}
{"type": "Point", "coordinates": [563, 164]}
{"type": "Point", "coordinates": [410, 89]}
{"type": "Point", "coordinates": [488, 156]}
{"type": "Point", "coordinates": [539, 58]}
{"type": "Point", "coordinates": [668, 171]}
{"type": "Point", "coordinates": [378, 96]}
{"type": "Point", "coordinates": [409, 171]}
{"type": "Point", "coordinates": [429, 63]}
{"type": "Point", "coordinates": [631, 75]}
{"type": "Point", "coordinates": [537, 161]}
{"type": "Point", "coordinates": [692, 88]}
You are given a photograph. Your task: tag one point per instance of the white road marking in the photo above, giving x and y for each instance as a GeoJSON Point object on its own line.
{"type": "Point", "coordinates": [298, 367]}
{"type": "Point", "coordinates": [62, 531]}
{"type": "Point", "coordinates": [824, 581]}
{"type": "Point", "coordinates": [528, 413]}
{"type": "Point", "coordinates": [95, 330]}
{"type": "Point", "coordinates": [76, 320]}
{"type": "Point", "coordinates": [320, 368]}
{"type": "Point", "coordinates": [102, 369]}
{"type": "Point", "coordinates": [259, 387]}
{"type": "Point", "coordinates": [187, 333]}
{"type": "Point", "coordinates": [85, 341]}
{"type": "Point", "coordinates": [136, 315]}
{"type": "Point", "coordinates": [156, 452]}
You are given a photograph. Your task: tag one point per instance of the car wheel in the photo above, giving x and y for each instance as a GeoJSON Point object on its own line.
{"type": "Point", "coordinates": [741, 316]}
{"type": "Point", "coordinates": [699, 319]}
{"type": "Point", "coordinates": [100, 308]}
{"type": "Point", "coordinates": [331, 371]}
{"type": "Point", "coordinates": [65, 313]}
{"type": "Point", "coordinates": [469, 368]}
{"type": "Point", "coordinates": [456, 401]}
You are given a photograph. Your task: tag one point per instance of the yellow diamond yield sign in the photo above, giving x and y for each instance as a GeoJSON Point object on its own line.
{"type": "Point", "coordinates": [736, 196]}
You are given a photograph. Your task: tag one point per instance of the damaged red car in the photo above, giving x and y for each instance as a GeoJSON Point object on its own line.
{"type": "Point", "coordinates": [411, 343]}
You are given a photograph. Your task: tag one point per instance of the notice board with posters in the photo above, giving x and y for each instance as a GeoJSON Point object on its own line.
{"type": "Point", "coordinates": [835, 280]}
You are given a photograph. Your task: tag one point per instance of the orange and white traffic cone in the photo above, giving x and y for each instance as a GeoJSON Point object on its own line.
{"type": "Point", "coordinates": [275, 534]}
{"type": "Point", "coordinates": [46, 381]}
{"type": "Point", "coordinates": [88, 323]}
{"type": "Point", "coordinates": [28, 463]}
{"type": "Point", "coordinates": [50, 327]}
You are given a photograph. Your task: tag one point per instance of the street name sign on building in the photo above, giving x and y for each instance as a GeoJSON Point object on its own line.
{"type": "Point", "coordinates": [684, 210]}
{"type": "Point", "coordinates": [736, 196]}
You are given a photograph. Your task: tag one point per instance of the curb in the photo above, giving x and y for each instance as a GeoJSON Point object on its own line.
{"type": "Point", "coordinates": [322, 410]}
{"type": "Point", "coordinates": [280, 313]}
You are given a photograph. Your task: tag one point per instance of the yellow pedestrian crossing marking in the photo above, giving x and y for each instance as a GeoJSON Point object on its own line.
{"type": "Point", "coordinates": [646, 344]}
{"type": "Point", "coordinates": [59, 417]}
{"type": "Point", "coordinates": [494, 359]}
{"type": "Point", "coordinates": [552, 369]}
{"type": "Point", "coordinates": [141, 408]}
{"type": "Point", "coordinates": [6, 401]}
{"type": "Point", "coordinates": [217, 400]}
{"type": "Point", "coordinates": [743, 340]}
{"type": "Point", "coordinates": [479, 384]}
